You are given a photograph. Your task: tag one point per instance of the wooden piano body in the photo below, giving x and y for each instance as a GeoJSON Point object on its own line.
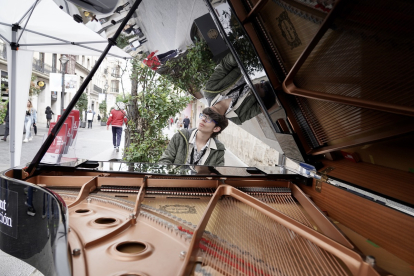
{"type": "Point", "coordinates": [218, 221]}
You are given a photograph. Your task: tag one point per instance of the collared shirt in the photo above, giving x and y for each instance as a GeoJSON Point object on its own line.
{"type": "Point", "coordinates": [195, 155]}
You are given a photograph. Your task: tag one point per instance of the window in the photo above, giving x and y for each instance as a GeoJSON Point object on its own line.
{"type": "Point", "coordinates": [114, 86]}
{"type": "Point", "coordinates": [54, 62]}
{"type": "Point", "coordinates": [83, 60]}
{"type": "Point", "coordinates": [42, 57]}
{"type": "Point", "coordinates": [88, 64]}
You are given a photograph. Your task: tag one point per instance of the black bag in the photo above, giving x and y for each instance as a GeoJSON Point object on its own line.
{"type": "Point", "coordinates": [35, 128]}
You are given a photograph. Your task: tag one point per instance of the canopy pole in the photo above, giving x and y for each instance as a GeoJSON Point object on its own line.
{"type": "Point", "coordinates": [49, 140]}
{"type": "Point", "coordinates": [63, 43]}
{"type": "Point", "coordinates": [13, 103]}
{"type": "Point", "coordinates": [27, 21]}
{"type": "Point", "coordinates": [31, 8]}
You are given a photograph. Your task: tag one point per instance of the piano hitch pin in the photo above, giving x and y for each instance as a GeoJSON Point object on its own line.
{"type": "Point", "coordinates": [182, 254]}
{"type": "Point", "coordinates": [370, 260]}
{"type": "Point", "coordinates": [76, 252]}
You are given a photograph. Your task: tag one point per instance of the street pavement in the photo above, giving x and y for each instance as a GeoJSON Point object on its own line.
{"type": "Point", "coordinates": [90, 143]}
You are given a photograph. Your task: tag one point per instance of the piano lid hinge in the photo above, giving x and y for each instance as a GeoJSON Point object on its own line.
{"type": "Point", "coordinates": [324, 177]}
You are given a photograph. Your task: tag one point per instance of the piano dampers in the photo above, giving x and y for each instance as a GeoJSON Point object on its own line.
{"type": "Point", "coordinates": [239, 240]}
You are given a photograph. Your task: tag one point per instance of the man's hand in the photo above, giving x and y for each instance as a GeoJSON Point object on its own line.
{"type": "Point", "coordinates": [107, 127]}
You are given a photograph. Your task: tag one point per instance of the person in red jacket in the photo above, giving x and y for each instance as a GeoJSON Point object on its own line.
{"type": "Point", "coordinates": [117, 118]}
{"type": "Point", "coordinates": [152, 61]}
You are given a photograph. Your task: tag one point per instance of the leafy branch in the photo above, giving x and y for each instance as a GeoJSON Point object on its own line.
{"type": "Point", "coordinates": [153, 100]}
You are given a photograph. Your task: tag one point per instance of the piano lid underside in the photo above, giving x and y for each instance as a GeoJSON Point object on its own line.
{"type": "Point", "coordinates": [365, 58]}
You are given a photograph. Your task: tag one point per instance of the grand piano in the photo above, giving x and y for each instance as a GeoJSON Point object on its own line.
{"type": "Point", "coordinates": [339, 200]}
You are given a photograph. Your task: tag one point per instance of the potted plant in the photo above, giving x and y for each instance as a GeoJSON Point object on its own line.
{"type": "Point", "coordinates": [102, 110]}
{"type": "Point", "coordinates": [82, 105]}
{"type": "Point", "coordinates": [3, 109]}
{"type": "Point", "coordinates": [104, 120]}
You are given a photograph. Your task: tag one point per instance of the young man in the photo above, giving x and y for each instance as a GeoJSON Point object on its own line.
{"type": "Point", "coordinates": [198, 146]}
{"type": "Point", "coordinates": [117, 118]}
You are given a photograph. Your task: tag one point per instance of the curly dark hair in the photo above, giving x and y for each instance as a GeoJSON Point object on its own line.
{"type": "Point", "coordinates": [221, 120]}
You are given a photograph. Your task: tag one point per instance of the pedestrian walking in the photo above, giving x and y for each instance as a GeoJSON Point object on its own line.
{"type": "Point", "coordinates": [170, 122]}
{"type": "Point", "coordinates": [117, 118]}
{"type": "Point", "coordinates": [49, 114]}
{"type": "Point", "coordinates": [31, 116]}
{"type": "Point", "coordinates": [152, 61]}
{"type": "Point", "coordinates": [89, 117]}
{"type": "Point", "coordinates": [6, 122]}
{"type": "Point", "coordinates": [180, 123]}
{"type": "Point", "coordinates": [186, 122]}
{"type": "Point", "coordinates": [99, 118]}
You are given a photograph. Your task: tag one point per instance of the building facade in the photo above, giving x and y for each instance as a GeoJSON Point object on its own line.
{"type": "Point", "coordinates": [106, 81]}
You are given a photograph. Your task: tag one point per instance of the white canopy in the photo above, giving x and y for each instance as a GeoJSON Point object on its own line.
{"type": "Point", "coordinates": [44, 27]}
{"type": "Point", "coordinates": [48, 24]}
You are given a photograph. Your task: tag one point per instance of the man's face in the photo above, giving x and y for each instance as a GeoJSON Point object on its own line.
{"type": "Point", "coordinates": [207, 124]}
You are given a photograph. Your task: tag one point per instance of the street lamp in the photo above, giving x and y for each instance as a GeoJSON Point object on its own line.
{"type": "Point", "coordinates": [106, 90]}
{"type": "Point", "coordinates": [63, 60]}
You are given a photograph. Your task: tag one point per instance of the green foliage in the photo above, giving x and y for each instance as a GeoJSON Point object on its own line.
{"type": "Point", "coordinates": [3, 109]}
{"type": "Point", "coordinates": [122, 41]}
{"type": "Point", "coordinates": [191, 71]}
{"type": "Point", "coordinates": [102, 110]}
{"type": "Point", "coordinates": [148, 113]}
{"type": "Point", "coordinates": [34, 88]}
{"type": "Point", "coordinates": [82, 104]}
{"type": "Point", "coordinates": [123, 99]}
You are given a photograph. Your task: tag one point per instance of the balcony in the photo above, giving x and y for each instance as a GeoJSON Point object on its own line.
{"type": "Point", "coordinates": [115, 90]}
{"type": "Point", "coordinates": [42, 67]}
{"type": "Point", "coordinates": [97, 89]}
{"type": "Point", "coordinates": [116, 75]}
